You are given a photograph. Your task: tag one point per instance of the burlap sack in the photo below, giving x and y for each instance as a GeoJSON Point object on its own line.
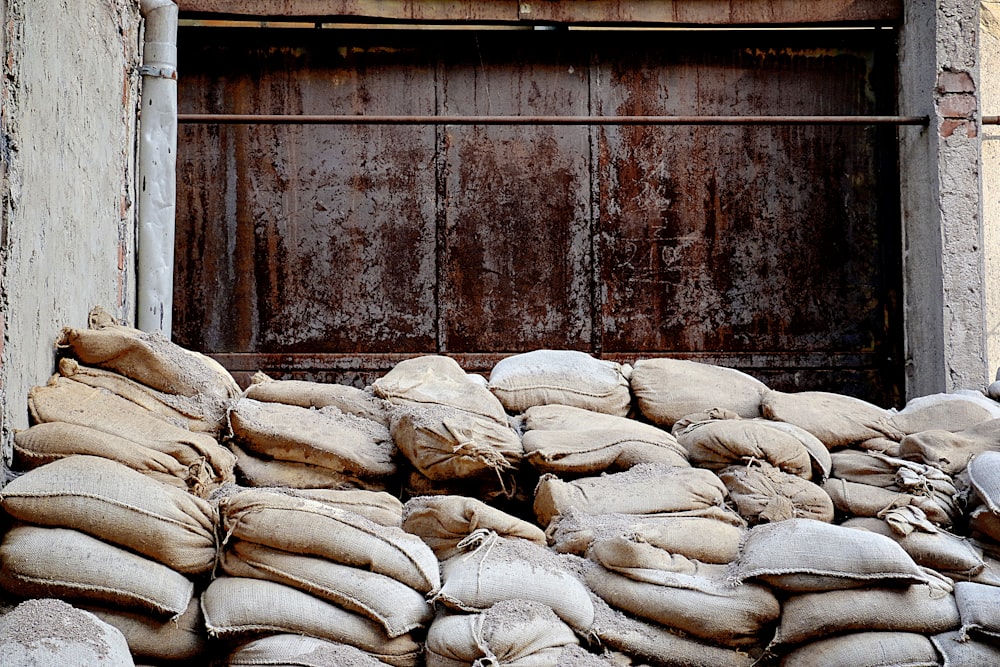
{"type": "Point", "coordinates": [180, 639]}
{"type": "Point", "coordinates": [927, 545]}
{"type": "Point", "coordinates": [51, 632]}
{"type": "Point", "coordinates": [819, 453]}
{"type": "Point", "coordinates": [120, 506]}
{"type": "Point", "coordinates": [720, 443]}
{"type": "Point", "coordinates": [438, 381]}
{"type": "Point", "coordinates": [445, 443]}
{"type": "Point", "coordinates": [498, 569]}
{"type": "Point", "coordinates": [563, 377]}
{"type": "Point", "coordinates": [951, 452]}
{"type": "Point", "coordinates": [984, 476]}
{"type": "Point", "coordinates": [764, 493]}
{"type": "Point", "coordinates": [946, 412]}
{"type": "Point", "coordinates": [862, 467]}
{"type": "Point", "coordinates": [984, 524]}
{"type": "Point", "coordinates": [837, 420]}
{"type": "Point", "coordinates": [299, 651]}
{"type": "Point", "coordinates": [314, 528]}
{"type": "Point", "coordinates": [45, 443]}
{"type": "Point", "coordinates": [380, 507]}
{"type": "Point", "coordinates": [65, 400]}
{"type": "Point", "coordinates": [864, 500]}
{"type": "Point", "coordinates": [806, 555]}
{"type": "Point", "coordinates": [866, 649]}
{"type": "Point", "coordinates": [961, 651]}
{"type": "Point", "coordinates": [570, 441]}
{"type": "Point", "coordinates": [444, 521]}
{"type": "Point", "coordinates": [236, 607]}
{"type": "Point", "coordinates": [979, 607]}
{"type": "Point", "coordinates": [57, 562]}
{"type": "Point", "coordinates": [257, 471]}
{"type": "Point", "coordinates": [395, 606]}
{"type": "Point", "coordinates": [325, 437]}
{"type": "Point", "coordinates": [644, 489]}
{"type": "Point", "coordinates": [916, 608]}
{"type": "Point", "coordinates": [304, 394]}
{"type": "Point", "coordinates": [503, 489]}
{"type": "Point", "coordinates": [668, 389]}
{"type": "Point", "coordinates": [512, 633]}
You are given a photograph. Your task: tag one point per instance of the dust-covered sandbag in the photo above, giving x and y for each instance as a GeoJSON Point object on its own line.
{"type": "Point", "coordinates": [863, 467]}
{"type": "Point", "coordinates": [258, 471]}
{"type": "Point", "coordinates": [951, 452]}
{"type": "Point", "coordinates": [445, 443]}
{"type": "Point", "coordinates": [511, 633]}
{"type": "Point", "coordinates": [179, 639]}
{"type": "Point", "coordinates": [806, 555]}
{"type": "Point", "coordinates": [498, 569]}
{"type": "Point", "coordinates": [383, 508]}
{"type": "Point", "coordinates": [865, 500]}
{"type": "Point", "coordinates": [398, 608]}
{"type": "Point", "coordinates": [979, 606]}
{"type": "Point", "coordinates": [326, 437]}
{"type": "Point", "coordinates": [984, 476]}
{"type": "Point", "coordinates": [897, 474]}
{"type": "Point", "coordinates": [866, 649]}
{"type": "Point", "coordinates": [711, 536]}
{"type": "Point", "coordinates": [563, 377]}
{"type": "Point", "coordinates": [237, 607]}
{"type": "Point", "coordinates": [444, 521]}
{"type": "Point", "coordinates": [764, 493]}
{"type": "Point", "coordinates": [57, 562]}
{"type": "Point", "coordinates": [916, 608]}
{"type": "Point", "coordinates": [571, 441]}
{"type": "Point", "coordinates": [305, 394]}
{"type": "Point", "coordinates": [311, 527]}
{"type": "Point", "coordinates": [298, 651]}
{"type": "Point", "coordinates": [720, 443]}
{"type": "Point", "coordinates": [50, 632]}
{"type": "Point", "coordinates": [928, 545]}
{"type": "Point", "coordinates": [489, 487]}
{"type": "Point", "coordinates": [668, 389]}
{"type": "Point", "coordinates": [961, 651]}
{"type": "Point", "coordinates": [946, 412]}
{"type": "Point", "coordinates": [120, 506]}
{"type": "Point", "coordinates": [644, 489]}
{"type": "Point", "coordinates": [438, 381]}
{"type": "Point", "coordinates": [835, 419]}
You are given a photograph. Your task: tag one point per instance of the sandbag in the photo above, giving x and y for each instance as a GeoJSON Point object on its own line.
{"type": "Point", "coordinates": [764, 493]}
{"type": "Point", "coordinates": [720, 443]}
{"type": "Point", "coordinates": [926, 544]}
{"type": "Point", "coordinates": [258, 471]}
{"type": "Point", "coordinates": [563, 377]}
{"type": "Point", "coordinates": [305, 394]}
{"type": "Point", "coordinates": [298, 651]}
{"type": "Point", "coordinates": [57, 562]}
{"type": "Point", "coordinates": [668, 389]}
{"type": "Point", "coordinates": [951, 452]}
{"type": "Point", "coordinates": [180, 639]}
{"type": "Point", "coordinates": [644, 489]}
{"type": "Point", "coordinates": [947, 412]}
{"type": "Point", "coordinates": [866, 649]}
{"type": "Point", "coordinates": [979, 607]}
{"type": "Point", "coordinates": [380, 507]}
{"type": "Point", "coordinates": [836, 419]}
{"type": "Point", "coordinates": [897, 474]}
{"type": "Point", "coordinates": [864, 500]}
{"type": "Point", "coordinates": [120, 506]}
{"type": "Point", "coordinates": [961, 651]}
{"type": "Point", "coordinates": [984, 476]}
{"type": "Point", "coordinates": [237, 607]}
{"type": "Point", "coordinates": [490, 487]}
{"type": "Point", "coordinates": [442, 522]}
{"type": "Point", "coordinates": [571, 441]}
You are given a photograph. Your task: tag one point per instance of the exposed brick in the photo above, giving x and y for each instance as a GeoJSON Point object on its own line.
{"type": "Point", "coordinates": [957, 106]}
{"type": "Point", "coordinates": [951, 81]}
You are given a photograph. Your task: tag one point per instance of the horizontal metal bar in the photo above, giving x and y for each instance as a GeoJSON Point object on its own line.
{"type": "Point", "coordinates": [296, 119]}
{"type": "Point", "coordinates": [991, 120]}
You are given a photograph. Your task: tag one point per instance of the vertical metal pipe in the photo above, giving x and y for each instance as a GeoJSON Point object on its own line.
{"type": "Point", "coordinates": [157, 167]}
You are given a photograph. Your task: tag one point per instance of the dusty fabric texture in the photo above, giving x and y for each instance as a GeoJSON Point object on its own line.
{"type": "Point", "coordinates": [984, 523]}
{"type": "Point", "coordinates": [311, 527]}
{"type": "Point", "coordinates": [571, 441]}
{"type": "Point", "coordinates": [764, 493]}
{"type": "Point", "coordinates": [960, 651]}
{"type": "Point", "coordinates": [668, 389]}
{"type": "Point", "coordinates": [979, 607]}
{"type": "Point", "coordinates": [180, 639]}
{"type": "Point", "coordinates": [984, 476]}
{"type": "Point", "coordinates": [380, 507]}
{"type": "Point", "coordinates": [563, 377]}
{"type": "Point", "coordinates": [916, 608]}
{"type": "Point", "coordinates": [644, 489]}
{"type": "Point", "coordinates": [835, 419]}
{"type": "Point", "coordinates": [65, 400]}
{"type": "Point", "coordinates": [444, 521]}
{"type": "Point", "coordinates": [511, 633]}
{"type": "Point", "coordinates": [299, 651]}
{"type": "Point", "coordinates": [438, 381]}
{"type": "Point", "coordinates": [818, 452]}
{"type": "Point", "coordinates": [862, 467]}
{"type": "Point", "coordinates": [498, 569]}
{"type": "Point", "coordinates": [395, 606]}
{"type": "Point", "coordinates": [57, 562]}
{"type": "Point", "coordinates": [50, 632]}
{"type": "Point", "coordinates": [806, 555]}
{"type": "Point", "coordinates": [865, 500]}
{"type": "Point", "coordinates": [305, 394]}
{"type": "Point", "coordinates": [951, 452]}
{"type": "Point", "coordinates": [927, 545]}
{"type": "Point", "coordinates": [236, 607]}
{"type": "Point", "coordinates": [866, 649]}
{"type": "Point", "coordinates": [257, 471]}
{"type": "Point", "coordinates": [120, 506]}
{"type": "Point", "coordinates": [946, 412]}
{"type": "Point", "coordinates": [489, 487]}
{"type": "Point", "coordinates": [897, 474]}
{"type": "Point", "coordinates": [721, 443]}
{"type": "Point", "coordinates": [326, 437]}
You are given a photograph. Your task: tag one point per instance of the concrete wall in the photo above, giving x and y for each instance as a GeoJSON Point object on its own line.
{"type": "Point", "coordinates": [70, 91]}
{"type": "Point", "coordinates": [989, 71]}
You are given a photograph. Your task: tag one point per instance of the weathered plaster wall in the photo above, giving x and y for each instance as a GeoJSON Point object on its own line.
{"type": "Point", "coordinates": [70, 90]}
{"type": "Point", "coordinates": [990, 102]}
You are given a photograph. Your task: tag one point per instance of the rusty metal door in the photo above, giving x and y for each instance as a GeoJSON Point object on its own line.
{"type": "Point", "coordinates": [332, 251]}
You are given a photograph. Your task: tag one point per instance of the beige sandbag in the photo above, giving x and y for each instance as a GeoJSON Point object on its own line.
{"type": "Point", "coordinates": [57, 562]}
{"type": "Point", "coordinates": [65, 400]}
{"type": "Point", "coordinates": [395, 606]}
{"type": "Point", "coordinates": [383, 508]}
{"type": "Point", "coordinates": [984, 476]}
{"type": "Point", "coordinates": [311, 527]}
{"type": "Point", "coordinates": [764, 493]}
{"type": "Point", "coordinates": [926, 544]}
{"type": "Point", "coordinates": [445, 443]}
{"type": "Point", "coordinates": [984, 524]}
{"type": "Point", "coordinates": [947, 412]}
{"type": "Point", "coordinates": [180, 639]}
{"type": "Point", "coordinates": [961, 651]}
{"type": "Point", "coordinates": [668, 389]}
{"type": "Point", "coordinates": [299, 651]}
{"type": "Point", "coordinates": [438, 381]}
{"type": "Point", "coordinates": [120, 506]}
{"type": "Point", "coordinates": [644, 489]}
{"type": "Point", "coordinates": [806, 555]}
{"type": "Point", "coordinates": [720, 443]}
{"type": "Point", "coordinates": [864, 500]}
{"type": "Point", "coordinates": [512, 633]}
{"type": "Point", "coordinates": [917, 608]}
{"type": "Point", "coordinates": [866, 649]}
{"type": "Point", "coordinates": [307, 394]}
{"type": "Point", "coordinates": [258, 471]}
{"type": "Point", "coordinates": [325, 437]}
{"type": "Point", "coordinates": [564, 377]}
{"type": "Point", "coordinates": [45, 443]}
{"type": "Point", "coordinates": [951, 452]}
{"type": "Point", "coordinates": [979, 607]}
{"type": "Point", "coordinates": [863, 467]}
{"type": "Point", "coordinates": [896, 474]}
{"type": "Point", "coordinates": [236, 607]}
{"type": "Point", "coordinates": [837, 420]}
{"type": "Point", "coordinates": [490, 487]}
{"type": "Point", "coordinates": [566, 440]}
{"type": "Point", "coordinates": [444, 521]}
